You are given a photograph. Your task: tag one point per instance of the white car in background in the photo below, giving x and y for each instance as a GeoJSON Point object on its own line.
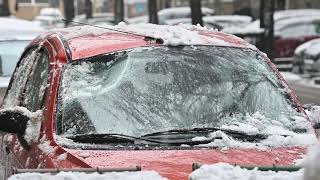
{"type": "Point", "coordinates": [216, 22]}
{"type": "Point", "coordinates": [15, 35]}
{"type": "Point", "coordinates": [169, 14]}
{"type": "Point", "coordinates": [50, 18]}
{"type": "Point", "coordinates": [307, 58]}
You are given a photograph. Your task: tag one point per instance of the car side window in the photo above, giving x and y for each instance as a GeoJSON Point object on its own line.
{"type": "Point", "coordinates": [299, 30]}
{"type": "Point", "coordinates": [20, 78]}
{"type": "Point", "coordinates": [33, 95]}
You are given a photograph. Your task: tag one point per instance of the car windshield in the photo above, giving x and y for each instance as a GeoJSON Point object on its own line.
{"type": "Point", "coordinates": [10, 51]}
{"type": "Point", "coordinates": [151, 89]}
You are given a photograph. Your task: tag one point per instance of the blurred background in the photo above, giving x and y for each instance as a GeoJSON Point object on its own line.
{"type": "Point", "coordinates": [287, 30]}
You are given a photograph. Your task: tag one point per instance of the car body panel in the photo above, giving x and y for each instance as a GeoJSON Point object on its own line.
{"type": "Point", "coordinates": [47, 152]}
{"type": "Point", "coordinates": [177, 164]}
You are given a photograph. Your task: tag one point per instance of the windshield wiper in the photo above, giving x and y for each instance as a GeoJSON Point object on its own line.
{"type": "Point", "coordinates": [106, 138]}
{"type": "Point", "coordinates": [235, 134]}
{"type": "Point", "coordinates": [120, 138]}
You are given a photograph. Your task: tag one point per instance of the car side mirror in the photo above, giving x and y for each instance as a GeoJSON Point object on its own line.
{"type": "Point", "coordinates": [15, 120]}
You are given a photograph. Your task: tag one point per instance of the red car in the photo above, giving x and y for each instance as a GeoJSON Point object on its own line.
{"type": "Point", "coordinates": [124, 99]}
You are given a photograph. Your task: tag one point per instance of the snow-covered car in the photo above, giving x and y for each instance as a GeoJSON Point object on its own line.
{"type": "Point", "coordinates": [15, 35]}
{"type": "Point", "coordinates": [292, 28]}
{"type": "Point", "coordinates": [215, 22]}
{"type": "Point", "coordinates": [159, 97]}
{"type": "Point", "coordinates": [226, 21]}
{"type": "Point", "coordinates": [170, 14]}
{"type": "Point", "coordinates": [49, 18]}
{"type": "Point", "coordinates": [187, 21]}
{"type": "Point", "coordinates": [307, 58]}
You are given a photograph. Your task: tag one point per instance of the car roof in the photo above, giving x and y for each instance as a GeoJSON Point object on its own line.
{"type": "Point", "coordinates": [88, 41]}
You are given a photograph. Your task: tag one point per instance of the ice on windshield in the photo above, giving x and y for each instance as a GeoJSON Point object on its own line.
{"type": "Point", "coordinates": [147, 90]}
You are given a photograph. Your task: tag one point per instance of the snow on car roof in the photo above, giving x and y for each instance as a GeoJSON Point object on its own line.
{"type": "Point", "coordinates": [12, 28]}
{"type": "Point", "coordinates": [310, 48]}
{"type": "Point", "coordinates": [85, 41]}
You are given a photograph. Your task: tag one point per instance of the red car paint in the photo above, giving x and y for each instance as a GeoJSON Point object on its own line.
{"type": "Point", "coordinates": [174, 164]}
{"type": "Point", "coordinates": [284, 47]}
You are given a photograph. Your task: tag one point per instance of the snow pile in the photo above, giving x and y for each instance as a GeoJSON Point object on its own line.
{"type": "Point", "coordinates": [222, 140]}
{"type": "Point", "coordinates": [181, 34]}
{"type": "Point", "coordinates": [310, 171]}
{"type": "Point", "coordinates": [229, 172]}
{"type": "Point", "coordinates": [139, 175]}
{"type": "Point", "coordinates": [279, 132]}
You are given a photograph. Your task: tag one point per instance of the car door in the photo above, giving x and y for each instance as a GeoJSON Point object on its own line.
{"type": "Point", "coordinates": [27, 88]}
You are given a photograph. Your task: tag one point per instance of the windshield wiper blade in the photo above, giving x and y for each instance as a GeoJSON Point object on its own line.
{"type": "Point", "coordinates": [120, 138]}
{"type": "Point", "coordinates": [108, 138]}
{"type": "Point", "coordinates": [233, 133]}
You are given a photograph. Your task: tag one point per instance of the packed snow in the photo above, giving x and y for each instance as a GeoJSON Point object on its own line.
{"type": "Point", "coordinates": [139, 175]}
{"type": "Point", "coordinates": [226, 171]}
{"type": "Point", "coordinates": [309, 171]}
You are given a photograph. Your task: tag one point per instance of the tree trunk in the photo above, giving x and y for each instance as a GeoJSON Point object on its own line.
{"type": "Point", "coordinates": [68, 11]}
{"type": "Point", "coordinates": [118, 11]}
{"type": "Point", "coordinates": [261, 13]}
{"type": "Point", "coordinates": [153, 12]}
{"type": "Point", "coordinates": [5, 11]}
{"type": "Point", "coordinates": [88, 9]}
{"type": "Point", "coordinates": [196, 13]}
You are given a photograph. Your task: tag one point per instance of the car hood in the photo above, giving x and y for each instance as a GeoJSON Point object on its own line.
{"type": "Point", "coordinates": [177, 164]}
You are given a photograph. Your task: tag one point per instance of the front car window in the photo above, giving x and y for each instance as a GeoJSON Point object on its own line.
{"type": "Point", "coordinates": [151, 89]}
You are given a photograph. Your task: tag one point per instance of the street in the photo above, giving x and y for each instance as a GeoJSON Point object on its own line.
{"type": "Point", "coordinates": [306, 94]}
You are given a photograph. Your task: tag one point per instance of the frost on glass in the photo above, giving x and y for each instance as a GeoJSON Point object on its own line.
{"type": "Point", "coordinates": [20, 79]}
{"type": "Point", "coordinates": [147, 90]}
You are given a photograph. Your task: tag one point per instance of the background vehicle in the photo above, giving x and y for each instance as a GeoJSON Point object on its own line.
{"type": "Point", "coordinates": [50, 18]}
{"type": "Point", "coordinates": [306, 58]}
{"type": "Point", "coordinates": [15, 35]}
{"type": "Point", "coordinates": [169, 104]}
{"type": "Point", "coordinates": [215, 22]}
{"type": "Point", "coordinates": [170, 14]}
{"type": "Point", "coordinates": [292, 28]}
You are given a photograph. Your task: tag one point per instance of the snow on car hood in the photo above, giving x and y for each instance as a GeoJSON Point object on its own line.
{"type": "Point", "coordinates": [176, 164]}
{"type": "Point", "coordinates": [229, 172]}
